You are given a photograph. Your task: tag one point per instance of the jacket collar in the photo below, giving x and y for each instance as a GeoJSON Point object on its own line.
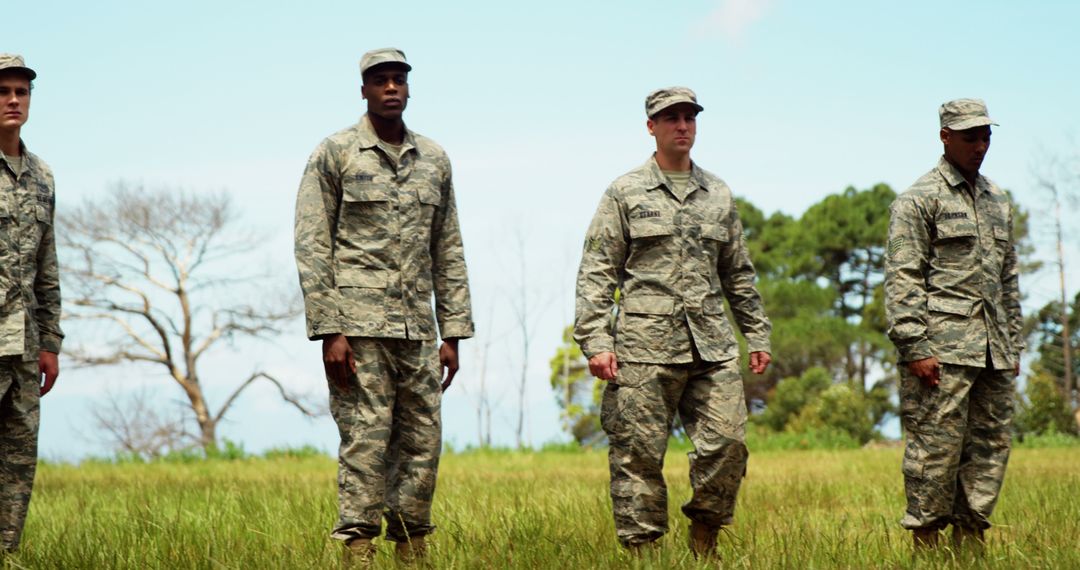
{"type": "Point", "coordinates": [367, 137]}
{"type": "Point", "coordinates": [953, 177]}
{"type": "Point", "coordinates": [654, 177]}
{"type": "Point", "coordinates": [28, 160]}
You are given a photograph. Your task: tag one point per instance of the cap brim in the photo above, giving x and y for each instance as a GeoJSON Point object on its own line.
{"type": "Point", "coordinates": [382, 63]}
{"type": "Point", "coordinates": [971, 124]}
{"type": "Point", "coordinates": [24, 70]}
{"type": "Point", "coordinates": [670, 105]}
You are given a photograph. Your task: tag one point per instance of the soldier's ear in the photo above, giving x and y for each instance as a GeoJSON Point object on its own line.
{"type": "Point", "coordinates": [944, 135]}
{"type": "Point", "coordinates": [649, 125]}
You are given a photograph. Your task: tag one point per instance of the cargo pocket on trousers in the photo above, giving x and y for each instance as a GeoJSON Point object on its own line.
{"type": "Point", "coordinates": [914, 464]}
{"type": "Point", "coordinates": [609, 409]}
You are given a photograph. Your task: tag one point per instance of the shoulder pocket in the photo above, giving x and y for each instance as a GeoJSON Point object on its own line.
{"type": "Point", "coordinates": [1001, 233]}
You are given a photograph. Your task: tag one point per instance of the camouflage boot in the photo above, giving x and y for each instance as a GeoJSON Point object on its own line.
{"type": "Point", "coordinates": [703, 540]}
{"type": "Point", "coordinates": [925, 538]}
{"type": "Point", "coordinates": [411, 550]}
{"type": "Point", "coordinates": [968, 537]}
{"type": "Point", "coordinates": [359, 553]}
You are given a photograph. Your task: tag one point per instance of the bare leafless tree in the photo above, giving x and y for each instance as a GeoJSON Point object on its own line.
{"type": "Point", "coordinates": [1059, 177]}
{"type": "Point", "coordinates": [134, 426]}
{"type": "Point", "coordinates": [480, 393]}
{"type": "Point", "coordinates": [527, 303]}
{"type": "Point", "coordinates": [169, 275]}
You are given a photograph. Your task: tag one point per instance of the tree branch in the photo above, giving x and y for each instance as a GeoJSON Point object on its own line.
{"type": "Point", "coordinates": [296, 402]}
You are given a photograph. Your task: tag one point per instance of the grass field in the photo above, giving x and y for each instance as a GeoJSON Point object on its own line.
{"type": "Point", "coordinates": [797, 509]}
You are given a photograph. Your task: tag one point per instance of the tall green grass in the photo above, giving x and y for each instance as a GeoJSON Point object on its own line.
{"type": "Point", "coordinates": [797, 509]}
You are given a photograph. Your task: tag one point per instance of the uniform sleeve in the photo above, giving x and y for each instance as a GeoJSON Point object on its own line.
{"type": "Point", "coordinates": [47, 292]}
{"type": "Point", "coordinates": [453, 306]}
{"type": "Point", "coordinates": [1010, 282]}
{"type": "Point", "coordinates": [600, 273]}
{"type": "Point", "coordinates": [906, 265]}
{"type": "Point", "coordinates": [316, 220]}
{"type": "Point", "coordinates": [737, 276]}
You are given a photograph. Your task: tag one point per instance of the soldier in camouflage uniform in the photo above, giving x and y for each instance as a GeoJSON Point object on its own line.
{"type": "Point", "coordinates": [376, 233]}
{"type": "Point", "coordinates": [30, 333]}
{"type": "Point", "coordinates": [953, 305]}
{"type": "Point", "coordinates": [668, 236]}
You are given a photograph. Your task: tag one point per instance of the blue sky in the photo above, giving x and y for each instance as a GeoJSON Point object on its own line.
{"type": "Point", "coordinates": [540, 106]}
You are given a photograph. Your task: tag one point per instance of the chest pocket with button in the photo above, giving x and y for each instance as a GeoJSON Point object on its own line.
{"type": "Point", "coordinates": [366, 210]}
{"type": "Point", "coordinates": [43, 217]}
{"type": "Point", "coordinates": [430, 199]}
{"type": "Point", "coordinates": [1001, 243]}
{"type": "Point", "coordinates": [954, 241]}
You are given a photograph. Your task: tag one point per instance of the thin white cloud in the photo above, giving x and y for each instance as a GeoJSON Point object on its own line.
{"type": "Point", "coordinates": [731, 18]}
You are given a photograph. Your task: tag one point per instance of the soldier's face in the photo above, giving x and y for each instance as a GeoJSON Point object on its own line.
{"type": "Point", "coordinates": [386, 89]}
{"type": "Point", "coordinates": [967, 148]}
{"type": "Point", "coordinates": [674, 128]}
{"type": "Point", "coordinates": [14, 101]}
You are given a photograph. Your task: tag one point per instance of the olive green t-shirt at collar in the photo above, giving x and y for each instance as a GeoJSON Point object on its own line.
{"type": "Point", "coordinates": [15, 162]}
{"type": "Point", "coordinates": [679, 178]}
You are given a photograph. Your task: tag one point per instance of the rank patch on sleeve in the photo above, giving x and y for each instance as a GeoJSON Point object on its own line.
{"type": "Point", "coordinates": [895, 244]}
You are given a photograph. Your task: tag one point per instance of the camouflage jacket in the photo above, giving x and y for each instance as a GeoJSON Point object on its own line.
{"type": "Point", "coordinates": [951, 286]}
{"type": "Point", "coordinates": [674, 259]}
{"type": "Point", "coordinates": [374, 240]}
{"type": "Point", "coordinates": [29, 276]}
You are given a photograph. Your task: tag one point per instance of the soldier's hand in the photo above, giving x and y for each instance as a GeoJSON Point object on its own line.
{"type": "Point", "coordinates": [928, 370]}
{"type": "Point", "coordinates": [759, 361]}
{"type": "Point", "coordinates": [1016, 370]}
{"type": "Point", "coordinates": [49, 366]}
{"type": "Point", "coordinates": [448, 356]}
{"type": "Point", "coordinates": [604, 366]}
{"type": "Point", "coordinates": [338, 359]}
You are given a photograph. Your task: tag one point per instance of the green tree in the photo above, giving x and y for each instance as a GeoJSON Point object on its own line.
{"type": "Point", "coordinates": [813, 401]}
{"type": "Point", "coordinates": [842, 408]}
{"type": "Point", "coordinates": [843, 242]}
{"type": "Point", "coordinates": [1047, 336]}
{"type": "Point", "coordinates": [1043, 408]}
{"type": "Point", "coordinates": [791, 395]}
{"type": "Point", "coordinates": [806, 334]}
{"type": "Point", "coordinates": [576, 391]}
{"type": "Point", "coordinates": [769, 239]}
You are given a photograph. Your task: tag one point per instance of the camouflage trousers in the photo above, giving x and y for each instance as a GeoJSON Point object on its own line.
{"type": "Point", "coordinates": [958, 441]}
{"type": "Point", "coordinates": [20, 386]}
{"type": "Point", "coordinates": [391, 438]}
{"type": "Point", "coordinates": [637, 413]}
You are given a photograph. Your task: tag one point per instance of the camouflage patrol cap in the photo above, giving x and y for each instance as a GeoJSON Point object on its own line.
{"type": "Point", "coordinates": [663, 98]}
{"type": "Point", "coordinates": [381, 56]}
{"type": "Point", "coordinates": [15, 62]}
{"type": "Point", "coordinates": [962, 114]}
